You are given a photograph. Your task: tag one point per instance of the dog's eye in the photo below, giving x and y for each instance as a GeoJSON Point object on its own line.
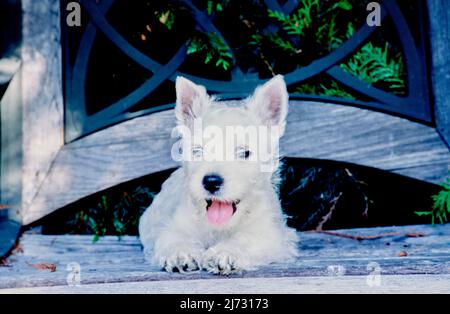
{"type": "Point", "coordinates": [197, 151]}
{"type": "Point", "coordinates": [243, 153]}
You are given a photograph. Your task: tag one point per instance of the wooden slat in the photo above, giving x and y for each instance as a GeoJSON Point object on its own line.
{"type": "Point", "coordinates": [113, 260]}
{"type": "Point", "coordinates": [11, 147]}
{"type": "Point", "coordinates": [43, 110]}
{"type": "Point", "coordinates": [364, 137]}
{"type": "Point", "coordinates": [8, 67]}
{"type": "Point", "coordinates": [405, 284]}
{"type": "Point", "coordinates": [314, 130]}
{"type": "Point", "coordinates": [439, 34]}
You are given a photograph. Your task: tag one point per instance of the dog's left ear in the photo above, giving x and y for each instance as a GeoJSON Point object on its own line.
{"type": "Point", "coordinates": [270, 103]}
{"type": "Point", "coordinates": [192, 101]}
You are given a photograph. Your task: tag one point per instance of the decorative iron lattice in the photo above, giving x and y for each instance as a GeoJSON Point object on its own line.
{"type": "Point", "coordinates": [415, 104]}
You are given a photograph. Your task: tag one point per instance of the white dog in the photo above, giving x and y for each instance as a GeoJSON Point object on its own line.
{"type": "Point", "coordinates": [218, 213]}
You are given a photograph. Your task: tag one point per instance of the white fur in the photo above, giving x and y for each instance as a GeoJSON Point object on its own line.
{"type": "Point", "coordinates": [174, 230]}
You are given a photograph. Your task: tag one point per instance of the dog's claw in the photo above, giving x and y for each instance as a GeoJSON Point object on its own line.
{"type": "Point", "coordinates": [223, 263]}
{"type": "Point", "coordinates": [180, 262]}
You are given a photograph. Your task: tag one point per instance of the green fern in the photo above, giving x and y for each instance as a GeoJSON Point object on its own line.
{"type": "Point", "coordinates": [214, 49]}
{"type": "Point", "coordinates": [296, 23]}
{"type": "Point", "coordinates": [441, 205]}
{"type": "Point", "coordinates": [374, 65]}
{"type": "Point", "coordinates": [113, 213]}
{"type": "Point", "coordinates": [307, 89]}
{"type": "Point", "coordinates": [334, 90]}
{"type": "Point", "coordinates": [283, 44]}
{"type": "Point", "coordinates": [330, 88]}
{"type": "Point", "coordinates": [213, 6]}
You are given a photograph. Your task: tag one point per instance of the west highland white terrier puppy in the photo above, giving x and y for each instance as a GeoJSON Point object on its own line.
{"type": "Point", "coordinates": [220, 211]}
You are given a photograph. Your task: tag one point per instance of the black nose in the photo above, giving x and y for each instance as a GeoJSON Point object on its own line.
{"type": "Point", "coordinates": [212, 182]}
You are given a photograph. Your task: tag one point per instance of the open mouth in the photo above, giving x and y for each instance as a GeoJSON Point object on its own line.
{"type": "Point", "coordinates": [220, 212]}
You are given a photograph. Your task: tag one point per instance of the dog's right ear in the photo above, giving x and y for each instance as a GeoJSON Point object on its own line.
{"type": "Point", "coordinates": [192, 101]}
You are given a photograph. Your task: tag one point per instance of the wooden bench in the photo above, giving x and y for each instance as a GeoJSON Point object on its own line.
{"type": "Point", "coordinates": [41, 173]}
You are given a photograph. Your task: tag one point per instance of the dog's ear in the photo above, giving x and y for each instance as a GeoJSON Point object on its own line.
{"type": "Point", "coordinates": [270, 103]}
{"type": "Point", "coordinates": [192, 101]}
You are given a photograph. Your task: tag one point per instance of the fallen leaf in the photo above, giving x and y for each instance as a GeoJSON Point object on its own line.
{"type": "Point", "coordinates": [44, 266]}
{"type": "Point", "coordinates": [402, 254]}
{"type": "Point", "coordinates": [17, 248]}
{"type": "Point", "coordinates": [4, 262]}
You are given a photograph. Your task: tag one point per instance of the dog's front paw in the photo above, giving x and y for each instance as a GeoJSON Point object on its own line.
{"type": "Point", "coordinates": [221, 261]}
{"type": "Point", "coordinates": [181, 262]}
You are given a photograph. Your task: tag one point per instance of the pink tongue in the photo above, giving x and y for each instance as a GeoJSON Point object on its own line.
{"type": "Point", "coordinates": [219, 213]}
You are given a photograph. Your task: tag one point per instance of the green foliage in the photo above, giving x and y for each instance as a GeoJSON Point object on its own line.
{"type": "Point", "coordinates": [213, 48]}
{"type": "Point", "coordinates": [373, 65]}
{"type": "Point", "coordinates": [327, 88]}
{"type": "Point", "coordinates": [335, 90]}
{"type": "Point", "coordinates": [215, 6]}
{"type": "Point", "coordinates": [313, 14]}
{"type": "Point", "coordinates": [210, 46]}
{"type": "Point", "coordinates": [113, 213]}
{"type": "Point", "coordinates": [166, 17]}
{"type": "Point", "coordinates": [312, 30]}
{"type": "Point", "coordinates": [441, 205]}
{"type": "Point", "coordinates": [343, 4]}
{"type": "Point", "coordinates": [283, 44]}
{"type": "Point", "coordinates": [320, 24]}
{"type": "Point", "coordinates": [308, 89]}
{"type": "Point", "coordinates": [277, 41]}
{"type": "Point", "coordinates": [296, 23]}
{"type": "Point", "coordinates": [327, 35]}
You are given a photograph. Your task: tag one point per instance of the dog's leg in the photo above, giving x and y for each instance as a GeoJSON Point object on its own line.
{"type": "Point", "coordinates": [247, 249]}
{"type": "Point", "coordinates": [224, 259]}
{"type": "Point", "coordinates": [235, 255]}
{"type": "Point", "coordinates": [175, 252]}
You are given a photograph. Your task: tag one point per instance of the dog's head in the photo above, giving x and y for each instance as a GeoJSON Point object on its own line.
{"type": "Point", "coordinates": [230, 149]}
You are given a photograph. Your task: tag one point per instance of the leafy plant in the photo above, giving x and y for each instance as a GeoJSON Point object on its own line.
{"type": "Point", "coordinates": [215, 6]}
{"type": "Point", "coordinates": [283, 44]}
{"type": "Point", "coordinates": [329, 34]}
{"type": "Point", "coordinates": [335, 90]}
{"type": "Point", "coordinates": [371, 64]}
{"type": "Point", "coordinates": [313, 29]}
{"type": "Point", "coordinates": [441, 205]}
{"type": "Point", "coordinates": [375, 66]}
{"type": "Point", "coordinates": [113, 213]}
{"type": "Point", "coordinates": [312, 14]}
{"type": "Point", "coordinates": [214, 48]}
{"type": "Point", "coordinates": [327, 88]}
{"type": "Point", "coordinates": [166, 18]}
{"type": "Point", "coordinates": [308, 89]}
{"type": "Point", "coordinates": [296, 23]}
